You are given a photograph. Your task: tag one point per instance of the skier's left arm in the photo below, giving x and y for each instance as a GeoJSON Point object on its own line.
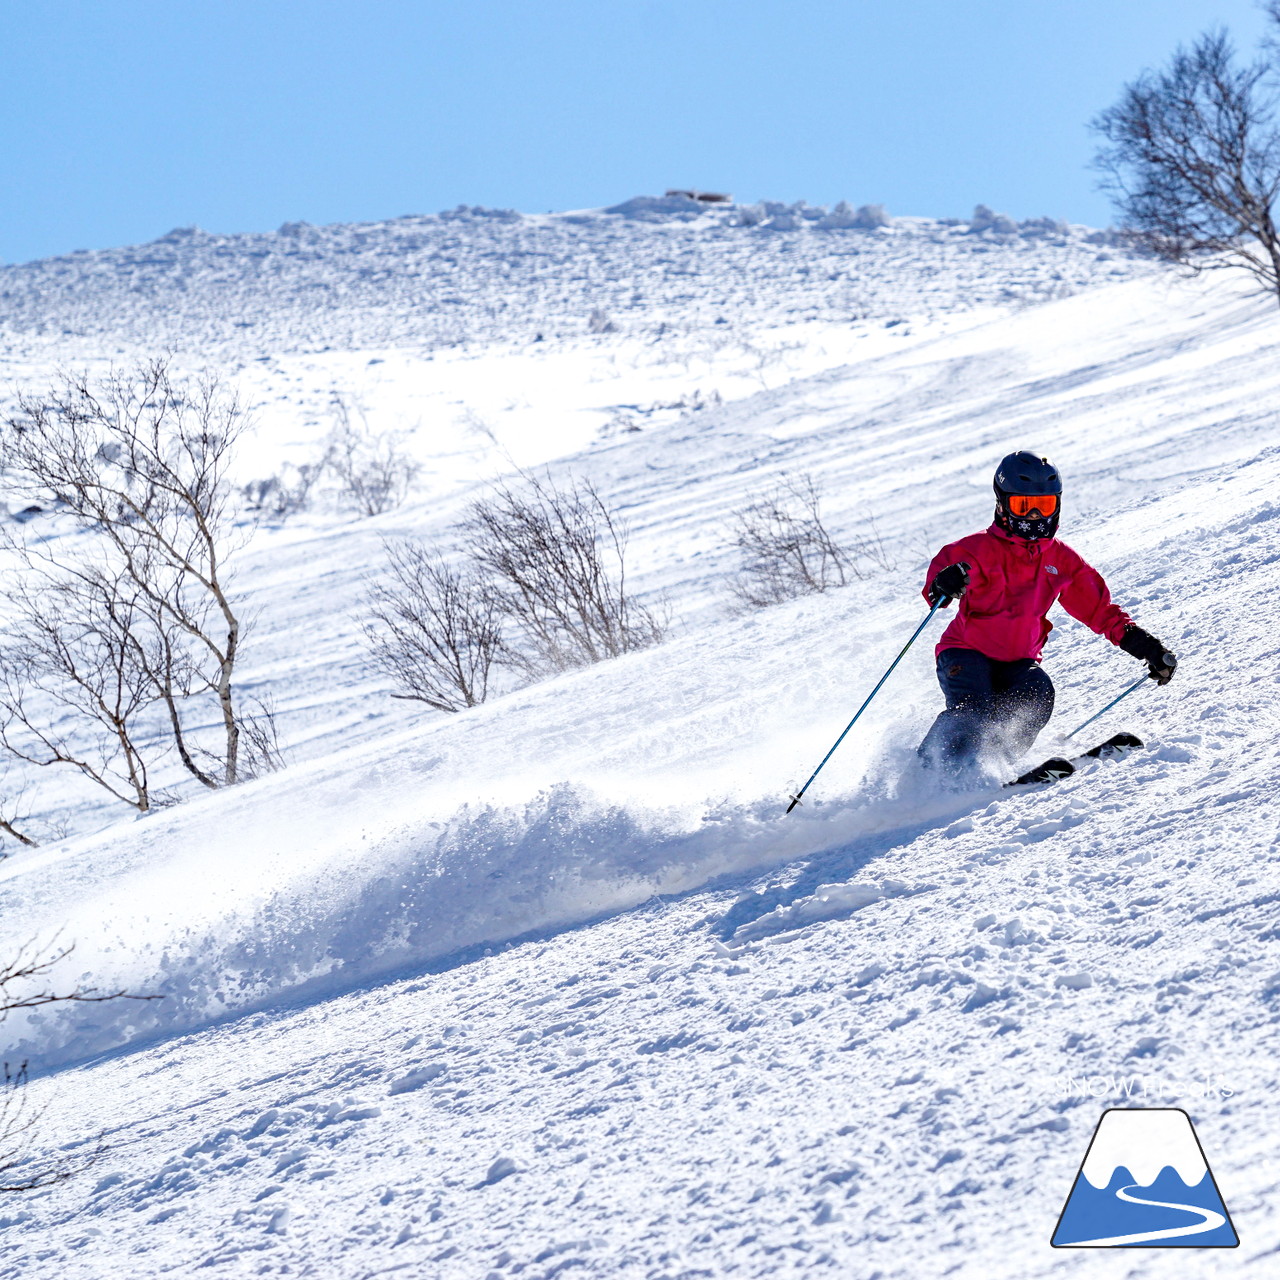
{"type": "Point", "coordinates": [1086, 597]}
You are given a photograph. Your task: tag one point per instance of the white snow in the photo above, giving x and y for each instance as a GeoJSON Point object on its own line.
{"type": "Point", "coordinates": [1144, 1142]}
{"type": "Point", "coordinates": [552, 986]}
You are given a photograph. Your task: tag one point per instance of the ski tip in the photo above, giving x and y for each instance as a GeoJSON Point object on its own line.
{"type": "Point", "coordinates": [1051, 771]}
{"type": "Point", "coordinates": [1117, 745]}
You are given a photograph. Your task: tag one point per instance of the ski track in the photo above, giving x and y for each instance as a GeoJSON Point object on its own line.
{"type": "Point", "coordinates": [1210, 1220]}
{"type": "Point", "coordinates": [553, 988]}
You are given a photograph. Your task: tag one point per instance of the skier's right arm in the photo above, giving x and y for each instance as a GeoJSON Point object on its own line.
{"type": "Point", "coordinates": [1142, 645]}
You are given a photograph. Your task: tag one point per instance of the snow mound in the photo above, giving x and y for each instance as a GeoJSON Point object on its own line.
{"type": "Point", "coordinates": [659, 208]}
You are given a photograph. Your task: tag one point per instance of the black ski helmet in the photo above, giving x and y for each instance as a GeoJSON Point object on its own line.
{"type": "Point", "coordinates": [1028, 474]}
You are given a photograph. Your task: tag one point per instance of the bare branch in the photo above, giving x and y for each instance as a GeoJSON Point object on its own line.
{"type": "Point", "coordinates": [434, 630]}
{"type": "Point", "coordinates": [26, 971]}
{"type": "Point", "coordinates": [787, 550]}
{"type": "Point", "coordinates": [374, 472]}
{"type": "Point", "coordinates": [557, 558]}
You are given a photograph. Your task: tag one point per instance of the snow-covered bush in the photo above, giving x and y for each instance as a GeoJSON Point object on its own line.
{"type": "Point", "coordinates": [433, 628]}
{"type": "Point", "coordinates": [841, 218]}
{"type": "Point", "coordinates": [987, 219]}
{"type": "Point", "coordinates": [871, 216]}
{"type": "Point", "coordinates": [866, 217]}
{"type": "Point", "coordinates": [1035, 227]}
{"type": "Point", "coordinates": [557, 560]}
{"type": "Point", "coordinates": [374, 473]}
{"type": "Point", "coordinates": [286, 493]}
{"type": "Point", "coordinates": [787, 550]}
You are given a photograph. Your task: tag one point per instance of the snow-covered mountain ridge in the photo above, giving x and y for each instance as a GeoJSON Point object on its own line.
{"type": "Point", "coordinates": [495, 275]}
{"type": "Point", "coordinates": [719, 1042]}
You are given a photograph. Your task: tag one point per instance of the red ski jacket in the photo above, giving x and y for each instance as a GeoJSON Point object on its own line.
{"type": "Point", "coordinates": [1013, 583]}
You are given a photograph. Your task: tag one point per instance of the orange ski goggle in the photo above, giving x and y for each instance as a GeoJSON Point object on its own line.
{"type": "Point", "coordinates": [1041, 504]}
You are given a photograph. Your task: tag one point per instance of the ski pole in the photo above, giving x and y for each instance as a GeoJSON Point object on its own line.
{"type": "Point", "coordinates": [941, 600]}
{"type": "Point", "coordinates": [1141, 680]}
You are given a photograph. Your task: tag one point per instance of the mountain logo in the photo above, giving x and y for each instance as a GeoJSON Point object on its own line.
{"type": "Point", "coordinates": [1144, 1181]}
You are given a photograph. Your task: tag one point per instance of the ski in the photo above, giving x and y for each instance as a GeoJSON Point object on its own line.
{"type": "Point", "coordinates": [1058, 767]}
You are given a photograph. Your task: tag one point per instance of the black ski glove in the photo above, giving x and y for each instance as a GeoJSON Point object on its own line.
{"type": "Point", "coordinates": [1146, 648]}
{"type": "Point", "coordinates": [951, 583]}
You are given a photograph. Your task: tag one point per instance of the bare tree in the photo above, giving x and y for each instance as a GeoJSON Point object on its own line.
{"type": "Point", "coordinates": [134, 612]}
{"type": "Point", "coordinates": [23, 986]}
{"type": "Point", "coordinates": [375, 474]}
{"type": "Point", "coordinates": [1192, 161]}
{"type": "Point", "coordinates": [261, 751]}
{"type": "Point", "coordinates": [787, 550]}
{"type": "Point", "coordinates": [70, 653]}
{"type": "Point", "coordinates": [557, 557]}
{"type": "Point", "coordinates": [435, 630]}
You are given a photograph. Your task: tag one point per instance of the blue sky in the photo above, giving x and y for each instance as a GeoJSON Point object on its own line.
{"type": "Point", "coordinates": [120, 119]}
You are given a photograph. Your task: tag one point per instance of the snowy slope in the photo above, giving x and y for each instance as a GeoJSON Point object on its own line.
{"type": "Point", "coordinates": [569, 931]}
{"type": "Point", "coordinates": [733, 302]}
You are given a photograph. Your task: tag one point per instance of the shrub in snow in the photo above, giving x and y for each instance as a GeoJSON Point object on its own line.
{"type": "Point", "coordinates": [1036, 227]}
{"type": "Point", "coordinates": [373, 472]}
{"type": "Point", "coordinates": [787, 550]}
{"type": "Point", "coordinates": [866, 218]}
{"type": "Point", "coordinates": [986, 219]}
{"type": "Point", "coordinates": [303, 231]}
{"type": "Point", "coordinates": [286, 493]}
{"type": "Point", "coordinates": [434, 629]}
{"type": "Point", "coordinates": [557, 560]}
{"type": "Point", "coordinates": [841, 218]}
{"type": "Point", "coordinates": [871, 216]}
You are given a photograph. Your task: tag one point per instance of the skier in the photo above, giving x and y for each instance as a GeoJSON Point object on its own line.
{"type": "Point", "coordinates": [1006, 579]}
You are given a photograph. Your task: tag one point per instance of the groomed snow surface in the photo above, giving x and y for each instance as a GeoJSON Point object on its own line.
{"type": "Point", "coordinates": [552, 987]}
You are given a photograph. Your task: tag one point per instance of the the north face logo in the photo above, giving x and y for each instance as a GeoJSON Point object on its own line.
{"type": "Point", "coordinates": [1050, 569]}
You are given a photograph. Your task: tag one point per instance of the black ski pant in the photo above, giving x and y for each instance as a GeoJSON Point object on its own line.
{"type": "Point", "coordinates": [989, 703]}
